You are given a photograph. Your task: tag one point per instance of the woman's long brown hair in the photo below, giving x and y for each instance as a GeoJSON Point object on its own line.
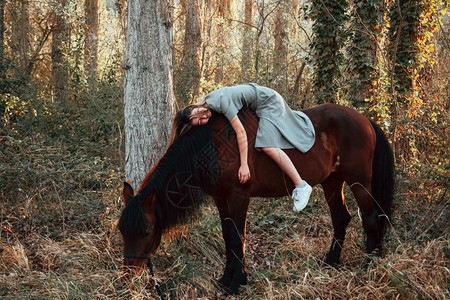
{"type": "Point", "coordinates": [182, 121]}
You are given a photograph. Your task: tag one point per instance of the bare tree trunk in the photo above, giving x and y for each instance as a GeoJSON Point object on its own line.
{"type": "Point", "coordinates": [207, 16]}
{"type": "Point", "coordinates": [297, 81]}
{"type": "Point", "coordinates": [60, 73]}
{"type": "Point", "coordinates": [189, 80]}
{"type": "Point", "coordinates": [2, 39]}
{"type": "Point", "coordinates": [221, 45]}
{"type": "Point", "coordinates": [247, 38]}
{"type": "Point", "coordinates": [91, 42]}
{"type": "Point", "coordinates": [280, 65]}
{"type": "Point", "coordinates": [149, 99]}
{"type": "Point", "coordinates": [263, 15]}
{"type": "Point", "coordinates": [19, 39]}
{"type": "Point", "coordinates": [223, 7]}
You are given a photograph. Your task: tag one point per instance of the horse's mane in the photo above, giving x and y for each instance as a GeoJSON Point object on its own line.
{"type": "Point", "coordinates": [176, 182]}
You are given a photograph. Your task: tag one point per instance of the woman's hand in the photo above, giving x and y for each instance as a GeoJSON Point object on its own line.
{"type": "Point", "coordinates": [244, 174]}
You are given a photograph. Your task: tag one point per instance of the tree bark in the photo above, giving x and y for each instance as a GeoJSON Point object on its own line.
{"type": "Point", "coordinates": [2, 39]}
{"type": "Point", "coordinates": [91, 42]}
{"type": "Point", "coordinates": [60, 73]}
{"type": "Point", "coordinates": [20, 26]}
{"type": "Point", "coordinates": [207, 26]}
{"type": "Point", "coordinates": [148, 90]}
{"type": "Point", "coordinates": [246, 60]}
{"type": "Point", "coordinates": [188, 83]}
{"type": "Point", "coordinates": [280, 65]}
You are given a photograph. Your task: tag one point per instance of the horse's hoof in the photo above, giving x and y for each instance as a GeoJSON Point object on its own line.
{"type": "Point", "coordinates": [231, 287]}
{"type": "Point", "coordinates": [327, 263]}
{"type": "Point", "coordinates": [234, 288]}
{"type": "Point", "coordinates": [332, 260]}
{"type": "Point", "coordinates": [224, 289]}
{"type": "Point", "coordinates": [225, 281]}
{"type": "Point", "coordinates": [244, 282]}
{"type": "Point", "coordinates": [377, 252]}
{"type": "Point", "coordinates": [224, 285]}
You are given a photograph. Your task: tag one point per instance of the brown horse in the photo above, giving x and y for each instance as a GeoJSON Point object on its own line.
{"type": "Point", "coordinates": [348, 148]}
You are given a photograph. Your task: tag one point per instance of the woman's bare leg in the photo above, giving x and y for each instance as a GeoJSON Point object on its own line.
{"type": "Point", "coordinates": [284, 162]}
{"type": "Point", "coordinates": [302, 189]}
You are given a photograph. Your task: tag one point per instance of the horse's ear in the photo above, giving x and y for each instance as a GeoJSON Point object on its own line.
{"type": "Point", "coordinates": [127, 192]}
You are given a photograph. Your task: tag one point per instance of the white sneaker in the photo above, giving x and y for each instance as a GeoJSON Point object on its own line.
{"type": "Point", "coordinates": [301, 196]}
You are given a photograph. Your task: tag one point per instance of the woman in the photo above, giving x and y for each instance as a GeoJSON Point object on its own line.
{"type": "Point", "coordinates": [279, 128]}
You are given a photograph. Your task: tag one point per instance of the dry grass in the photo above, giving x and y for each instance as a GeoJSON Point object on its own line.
{"type": "Point", "coordinates": [284, 259]}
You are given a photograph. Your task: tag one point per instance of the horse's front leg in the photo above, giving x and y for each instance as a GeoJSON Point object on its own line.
{"type": "Point", "coordinates": [227, 277]}
{"type": "Point", "coordinates": [233, 216]}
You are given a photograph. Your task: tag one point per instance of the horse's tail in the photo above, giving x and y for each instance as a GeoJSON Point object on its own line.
{"type": "Point", "coordinates": [382, 178]}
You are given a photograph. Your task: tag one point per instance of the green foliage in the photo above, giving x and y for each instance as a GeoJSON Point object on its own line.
{"type": "Point", "coordinates": [12, 108]}
{"type": "Point", "coordinates": [54, 159]}
{"type": "Point", "coordinates": [16, 93]}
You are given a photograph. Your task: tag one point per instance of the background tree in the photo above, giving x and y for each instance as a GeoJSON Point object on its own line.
{"type": "Point", "coordinates": [280, 55]}
{"type": "Point", "coordinates": [222, 40]}
{"type": "Point", "coordinates": [60, 42]}
{"type": "Point", "coordinates": [404, 17]}
{"type": "Point", "coordinates": [188, 79]}
{"type": "Point", "coordinates": [411, 27]}
{"type": "Point", "coordinates": [247, 39]}
{"type": "Point", "coordinates": [19, 43]}
{"type": "Point", "coordinates": [148, 92]}
{"type": "Point", "coordinates": [361, 66]}
{"type": "Point", "coordinates": [2, 41]}
{"type": "Point", "coordinates": [91, 42]}
{"type": "Point", "coordinates": [329, 18]}
{"type": "Point", "coordinates": [264, 12]}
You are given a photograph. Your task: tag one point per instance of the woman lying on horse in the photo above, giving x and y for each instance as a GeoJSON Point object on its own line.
{"type": "Point", "coordinates": [279, 128]}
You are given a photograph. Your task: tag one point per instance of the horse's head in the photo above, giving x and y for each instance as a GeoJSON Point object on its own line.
{"type": "Point", "coordinates": [139, 227]}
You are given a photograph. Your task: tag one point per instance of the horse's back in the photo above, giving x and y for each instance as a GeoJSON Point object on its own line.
{"type": "Point", "coordinates": [346, 135]}
{"type": "Point", "coordinates": [334, 118]}
{"type": "Point", "coordinates": [343, 135]}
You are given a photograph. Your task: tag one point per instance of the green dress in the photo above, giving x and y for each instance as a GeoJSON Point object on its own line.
{"type": "Point", "coordinates": [279, 126]}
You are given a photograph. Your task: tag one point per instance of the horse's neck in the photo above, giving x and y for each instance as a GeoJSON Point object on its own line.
{"type": "Point", "coordinates": [148, 176]}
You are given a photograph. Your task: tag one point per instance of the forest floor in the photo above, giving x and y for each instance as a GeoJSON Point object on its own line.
{"type": "Point", "coordinates": [61, 198]}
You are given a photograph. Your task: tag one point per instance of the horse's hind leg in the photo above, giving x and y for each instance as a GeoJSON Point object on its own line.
{"type": "Point", "coordinates": [369, 216]}
{"type": "Point", "coordinates": [340, 216]}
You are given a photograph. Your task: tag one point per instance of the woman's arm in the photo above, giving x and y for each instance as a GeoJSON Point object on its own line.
{"type": "Point", "coordinates": [244, 171]}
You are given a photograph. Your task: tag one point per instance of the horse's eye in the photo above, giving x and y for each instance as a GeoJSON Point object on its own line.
{"type": "Point", "coordinates": [148, 231]}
